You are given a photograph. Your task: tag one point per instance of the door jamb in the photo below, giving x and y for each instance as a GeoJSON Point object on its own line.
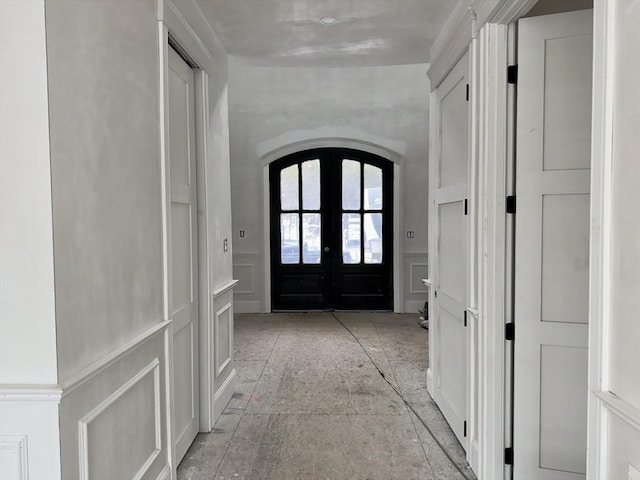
{"type": "Point", "coordinates": [171, 25]}
{"type": "Point", "coordinates": [492, 417]}
{"type": "Point", "coordinates": [496, 425]}
{"type": "Point", "coordinates": [398, 222]}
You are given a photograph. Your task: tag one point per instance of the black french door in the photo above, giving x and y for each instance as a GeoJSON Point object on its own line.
{"type": "Point", "coordinates": [331, 231]}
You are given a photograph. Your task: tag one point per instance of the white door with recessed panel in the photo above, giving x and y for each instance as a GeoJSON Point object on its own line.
{"type": "Point", "coordinates": [183, 252]}
{"type": "Point", "coordinates": [553, 160]}
{"type": "Point", "coordinates": [449, 259]}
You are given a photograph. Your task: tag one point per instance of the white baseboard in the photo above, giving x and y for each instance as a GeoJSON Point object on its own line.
{"type": "Point", "coordinates": [224, 394]}
{"type": "Point", "coordinates": [413, 306]}
{"type": "Point", "coordinates": [474, 456]}
{"type": "Point", "coordinates": [165, 474]}
{"type": "Point", "coordinates": [247, 306]}
{"type": "Point", "coordinates": [430, 382]}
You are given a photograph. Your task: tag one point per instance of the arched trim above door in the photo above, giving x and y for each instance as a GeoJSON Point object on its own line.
{"type": "Point", "coordinates": [395, 155]}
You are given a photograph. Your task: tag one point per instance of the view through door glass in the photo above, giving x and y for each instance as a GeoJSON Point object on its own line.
{"type": "Point", "coordinates": [331, 231]}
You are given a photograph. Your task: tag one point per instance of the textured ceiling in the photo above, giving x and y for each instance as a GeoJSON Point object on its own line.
{"type": "Point", "coordinates": [288, 32]}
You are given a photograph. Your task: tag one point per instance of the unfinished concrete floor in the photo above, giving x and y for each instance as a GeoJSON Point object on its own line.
{"type": "Point", "coordinates": [311, 405]}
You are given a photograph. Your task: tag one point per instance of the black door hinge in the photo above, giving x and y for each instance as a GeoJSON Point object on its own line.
{"type": "Point", "coordinates": [511, 204]}
{"type": "Point", "coordinates": [510, 331]}
{"type": "Point", "coordinates": [466, 206]}
{"type": "Point", "coordinates": [512, 74]}
{"type": "Point", "coordinates": [465, 318]}
{"type": "Point", "coordinates": [465, 428]}
{"type": "Point", "coordinates": [508, 456]}
{"type": "Point", "coordinates": [467, 92]}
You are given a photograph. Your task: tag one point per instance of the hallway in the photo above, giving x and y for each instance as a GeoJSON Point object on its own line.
{"type": "Point", "coordinates": [310, 403]}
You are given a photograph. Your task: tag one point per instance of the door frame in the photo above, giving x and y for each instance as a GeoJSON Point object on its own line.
{"type": "Point", "coordinates": [174, 32]}
{"type": "Point", "coordinates": [487, 30]}
{"type": "Point", "coordinates": [398, 222]}
{"type": "Point", "coordinates": [460, 73]}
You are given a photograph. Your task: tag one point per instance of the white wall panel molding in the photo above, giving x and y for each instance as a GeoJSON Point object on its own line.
{"type": "Point", "coordinates": [247, 280]}
{"type": "Point", "coordinates": [224, 393]}
{"type": "Point", "coordinates": [247, 295]}
{"type": "Point", "coordinates": [415, 267]}
{"type": "Point", "coordinates": [418, 269]}
{"type": "Point", "coordinates": [127, 397]}
{"type": "Point", "coordinates": [620, 408]}
{"type": "Point", "coordinates": [84, 424]}
{"type": "Point", "coordinates": [220, 362]}
{"type": "Point", "coordinates": [29, 432]}
{"type": "Point", "coordinates": [96, 368]}
{"type": "Point", "coordinates": [224, 288]}
{"type": "Point", "coordinates": [165, 474]}
{"type": "Point", "coordinates": [13, 457]}
{"type": "Point", "coordinates": [224, 337]}
{"type": "Point", "coordinates": [30, 393]}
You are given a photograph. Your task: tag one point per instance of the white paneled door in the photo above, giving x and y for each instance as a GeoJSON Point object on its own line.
{"type": "Point", "coordinates": [182, 221]}
{"type": "Point", "coordinates": [552, 246]}
{"type": "Point", "coordinates": [451, 246]}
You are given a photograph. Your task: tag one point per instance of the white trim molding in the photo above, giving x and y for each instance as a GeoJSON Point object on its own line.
{"type": "Point", "coordinates": [601, 400]}
{"type": "Point", "coordinates": [83, 424]}
{"type": "Point", "coordinates": [30, 393]}
{"type": "Point", "coordinates": [30, 431]}
{"type": "Point", "coordinates": [224, 288]}
{"type": "Point", "coordinates": [225, 392]}
{"type": "Point", "coordinates": [103, 363]}
{"type": "Point", "coordinates": [621, 409]}
{"type": "Point", "coordinates": [221, 364]}
{"type": "Point", "coordinates": [16, 447]}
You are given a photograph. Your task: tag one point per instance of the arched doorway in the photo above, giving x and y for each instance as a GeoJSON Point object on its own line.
{"type": "Point", "coordinates": [331, 228]}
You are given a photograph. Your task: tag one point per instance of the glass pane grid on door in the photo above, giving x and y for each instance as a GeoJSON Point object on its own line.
{"type": "Point", "coordinates": [361, 224]}
{"type": "Point", "coordinates": [327, 248]}
{"type": "Point", "coordinates": [300, 227]}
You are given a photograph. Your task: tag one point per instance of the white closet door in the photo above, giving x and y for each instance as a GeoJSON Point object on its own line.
{"type": "Point", "coordinates": [184, 291]}
{"type": "Point", "coordinates": [451, 248]}
{"type": "Point", "coordinates": [552, 246]}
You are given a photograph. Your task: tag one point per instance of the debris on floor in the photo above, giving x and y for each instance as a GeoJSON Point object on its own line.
{"type": "Point", "coordinates": [424, 316]}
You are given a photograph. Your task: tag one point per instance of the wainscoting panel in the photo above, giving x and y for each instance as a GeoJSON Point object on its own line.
{"type": "Point", "coordinates": [248, 295]}
{"type": "Point", "coordinates": [13, 457]}
{"type": "Point", "coordinates": [29, 433]}
{"type": "Point", "coordinates": [415, 269]}
{"type": "Point", "coordinates": [224, 338]}
{"type": "Point", "coordinates": [223, 370]}
{"type": "Point", "coordinates": [97, 426]}
{"type": "Point", "coordinates": [115, 419]}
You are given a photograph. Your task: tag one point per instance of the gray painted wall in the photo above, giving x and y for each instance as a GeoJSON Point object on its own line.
{"type": "Point", "coordinates": [27, 309]}
{"type": "Point", "coordinates": [274, 107]}
{"type": "Point", "coordinates": [105, 150]}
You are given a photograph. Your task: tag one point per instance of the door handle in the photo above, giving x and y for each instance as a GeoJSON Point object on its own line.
{"type": "Point", "coordinates": [326, 249]}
